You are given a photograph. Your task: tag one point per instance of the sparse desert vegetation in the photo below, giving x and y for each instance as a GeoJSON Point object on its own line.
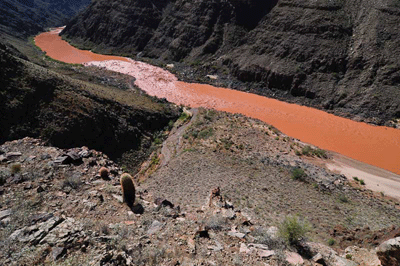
{"type": "Point", "coordinates": [293, 229]}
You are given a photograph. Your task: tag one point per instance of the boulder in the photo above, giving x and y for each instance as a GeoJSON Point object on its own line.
{"type": "Point", "coordinates": [12, 155]}
{"type": "Point", "coordinates": [323, 255]}
{"type": "Point", "coordinates": [236, 234]}
{"type": "Point", "coordinates": [293, 258]}
{"type": "Point", "coordinates": [362, 256]}
{"type": "Point", "coordinates": [58, 252]}
{"type": "Point", "coordinates": [5, 213]}
{"type": "Point", "coordinates": [155, 227]}
{"type": "Point", "coordinates": [389, 252]}
{"type": "Point", "coordinates": [163, 202]}
{"type": "Point", "coordinates": [35, 233]}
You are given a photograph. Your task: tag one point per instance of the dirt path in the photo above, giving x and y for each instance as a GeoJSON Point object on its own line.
{"type": "Point", "coordinates": [174, 141]}
{"type": "Point", "coordinates": [376, 179]}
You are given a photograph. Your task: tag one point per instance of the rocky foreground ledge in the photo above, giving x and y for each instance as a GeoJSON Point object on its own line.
{"type": "Point", "coordinates": [56, 209]}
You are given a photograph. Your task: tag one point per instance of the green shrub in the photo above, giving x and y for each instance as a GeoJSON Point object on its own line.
{"type": "Point", "coordinates": [309, 151]}
{"type": "Point", "coordinates": [210, 114]}
{"type": "Point", "coordinates": [306, 150]}
{"type": "Point", "coordinates": [349, 256]}
{"type": "Point", "coordinates": [298, 173]}
{"type": "Point", "coordinates": [206, 133]}
{"type": "Point", "coordinates": [320, 153]}
{"type": "Point", "coordinates": [331, 242]}
{"type": "Point", "coordinates": [292, 229]}
{"type": "Point", "coordinates": [16, 168]}
{"type": "Point", "coordinates": [154, 160]}
{"type": "Point", "coordinates": [184, 117]}
{"type": "Point", "coordinates": [195, 133]}
{"type": "Point", "coordinates": [361, 181]}
{"type": "Point", "coordinates": [171, 124]}
{"type": "Point", "coordinates": [343, 198]}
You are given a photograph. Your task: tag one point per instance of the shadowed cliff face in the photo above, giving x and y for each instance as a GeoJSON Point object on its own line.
{"type": "Point", "coordinates": [27, 17]}
{"type": "Point", "coordinates": [331, 54]}
{"type": "Point", "coordinates": [248, 13]}
{"type": "Point", "coordinates": [171, 29]}
{"type": "Point", "coordinates": [128, 25]}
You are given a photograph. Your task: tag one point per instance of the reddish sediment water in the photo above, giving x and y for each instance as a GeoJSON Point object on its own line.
{"type": "Point", "coordinates": [375, 145]}
{"type": "Point", "coordinates": [52, 43]}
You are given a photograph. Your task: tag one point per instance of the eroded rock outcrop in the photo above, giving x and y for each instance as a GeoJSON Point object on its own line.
{"type": "Point", "coordinates": [389, 252]}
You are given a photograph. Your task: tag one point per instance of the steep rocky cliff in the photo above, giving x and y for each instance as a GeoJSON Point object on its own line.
{"type": "Point", "coordinates": [38, 102]}
{"type": "Point", "coordinates": [338, 55]}
{"type": "Point", "coordinates": [27, 17]}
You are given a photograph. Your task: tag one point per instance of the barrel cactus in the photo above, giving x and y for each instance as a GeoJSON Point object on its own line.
{"type": "Point", "coordinates": [103, 172]}
{"type": "Point", "coordinates": [128, 189]}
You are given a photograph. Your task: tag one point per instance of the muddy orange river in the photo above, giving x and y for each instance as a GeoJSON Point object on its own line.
{"type": "Point", "coordinates": [375, 145]}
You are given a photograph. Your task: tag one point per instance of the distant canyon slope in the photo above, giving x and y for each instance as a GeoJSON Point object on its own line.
{"type": "Point", "coordinates": [26, 17]}
{"type": "Point", "coordinates": [332, 54]}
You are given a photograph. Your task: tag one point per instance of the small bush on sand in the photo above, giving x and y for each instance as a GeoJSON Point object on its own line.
{"type": "Point", "coordinates": [309, 151]}
{"type": "Point", "coordinates": [320, 153]}
{"type": "Point", "coordinates": [292, 229]}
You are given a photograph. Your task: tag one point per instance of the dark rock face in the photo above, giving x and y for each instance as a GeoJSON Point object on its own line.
{"type": "Point", "coordinates": [164, 28]}
{"type": "Point", "coordinates": [336, 55]}
{"type": "Point", "coordinates": [27, 17]}
{"type": "Point", "coordinates": [134, 25]}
